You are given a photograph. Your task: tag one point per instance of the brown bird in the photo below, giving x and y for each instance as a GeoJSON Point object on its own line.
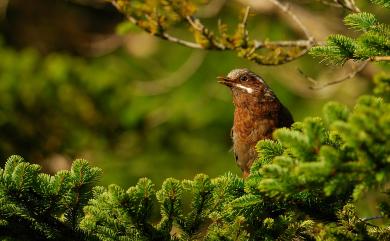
{"type": "Point", "coordinates": [258, 112]}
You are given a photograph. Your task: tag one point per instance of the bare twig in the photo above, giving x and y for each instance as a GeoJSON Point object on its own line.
{"type": "Point", "coordinates": [371, 218]}
{"type": "Point", "coordinates": [317, 85]}
{"type": "Point", "coordinates": [380, 58]}
{"type": "Point", "coordinates": [332, 4]}
{"type": "Point", "coordinates": [180, 41]}
{"type": "Point", "coordinates": [286, 8]}
{"type": "Point", "coordinates": [365, 220]}
{"type": "Point", "coordinates": [348, 4]}
{"type": "Point", "coordinates": [293, 43]}
{"type": "Point", "coordinates": [310, 39]}
{"type": "Point", "coordinates": [246, 14]}
{"type": "Point", "coordinates": [244, 23]}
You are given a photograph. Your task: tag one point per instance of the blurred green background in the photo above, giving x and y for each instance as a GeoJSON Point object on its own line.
{"type": "Point", "coordinates": [76, 83]}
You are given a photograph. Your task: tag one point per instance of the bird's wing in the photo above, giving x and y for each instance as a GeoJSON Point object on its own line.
{"type": "Point", "coordinates": [285, 117]}
{"type": "Point", "coordinates": [235, 154]}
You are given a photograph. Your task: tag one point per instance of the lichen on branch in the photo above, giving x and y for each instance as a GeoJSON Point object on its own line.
{"type": "Point", "coordinates": [158, 17]}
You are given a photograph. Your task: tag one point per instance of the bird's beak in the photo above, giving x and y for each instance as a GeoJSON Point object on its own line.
{"type": "Point", "coordinates": [225, 81]}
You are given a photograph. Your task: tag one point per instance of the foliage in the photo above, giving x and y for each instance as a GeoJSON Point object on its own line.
{"type": "Point", "coordinates": [384, 3]}
{"type": "Point", "coordinates": [96, 109]}
{"type": "Point", "coordinates": [38, 206]}
{"type": "Point", "coordinates": [303, 187]}
{"type": "Point", "coordinates": [382, 85]}
{"type": "Point", "coordinates": [372, 44]}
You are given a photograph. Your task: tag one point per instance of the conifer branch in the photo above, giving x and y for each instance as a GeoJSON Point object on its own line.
{"type": "Point", "coordinates": [302, 185]}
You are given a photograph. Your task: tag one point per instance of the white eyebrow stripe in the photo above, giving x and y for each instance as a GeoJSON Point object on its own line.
{"type": "Point", "coordinates": [247, 89]}
{"type": "Point", "coordinates": [259, 79]}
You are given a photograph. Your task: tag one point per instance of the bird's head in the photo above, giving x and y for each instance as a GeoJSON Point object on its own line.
{"type": "Point", "coordinates": [244, 82]}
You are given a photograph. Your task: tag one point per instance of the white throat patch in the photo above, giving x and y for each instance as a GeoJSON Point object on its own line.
{"type": "Point", "coordinates": [246, 89]}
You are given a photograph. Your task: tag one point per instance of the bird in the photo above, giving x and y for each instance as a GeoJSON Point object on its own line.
{"type": "Point", "coordinates": [257, 113]}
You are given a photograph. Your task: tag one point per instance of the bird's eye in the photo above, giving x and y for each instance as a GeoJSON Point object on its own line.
{"type": "Point", "coordinates": [243, 78]}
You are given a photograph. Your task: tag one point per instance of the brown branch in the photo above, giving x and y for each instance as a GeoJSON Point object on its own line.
{"type": "Point", "coordinates": [365, 220]}
{"type": "Point", "coordinates": [306, 45]}
{"type": "Point", "coordinates": [198, 26]}
{"type": "Point", "coordinates": [332, 4]}
{"type": "Point", "coordinates": [380, 58]}
{"type": "Point", "coordinates": [286, 8]}
{"type": "Point", "coordinates": [348, 4]}
{"type": "Point", "coordinates": [180, 41]}
{"type": "Point", "coordinates": [163, 35]}
{"type": "Point", "coordinates": [317, 85]}
{"type": "Point", "coordinates": [293, 43]}
{"type": "Point", "coordinates": [371, 218]}
{"type": "Point", "coordinates": [216, 44]}
{"type": "Point", "coordinates": [245, 22]}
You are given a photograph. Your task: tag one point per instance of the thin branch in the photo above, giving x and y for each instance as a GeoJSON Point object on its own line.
{"type": "Point", "coordinates": [317, 85]}
{"type": "Point", "coordinates": [371, 218]}
{"type": "Point", "coordinates": [332, 4]}
{"type": "Point", "coordinates": [257, 44]}
{"type": "Point", "coordinates": [244, 23]}
{"type": "Point", "coordinates": [380, 58]}
{"type": "Point", "coordinates": [348, 4]}
{"type": "Point", "coordinates": [286, 8]}
{"type": "Point", "coordinates": [246, 14]}
{"type": "Point", "coordinates": [306, 44]}
{"type": "Point", "coordinates": [217, 44]}
{"type": "Point", "coordinates": [180, 41]}
{"type": "Point", "coordinates": [293, 43]}
{"type": "Point", "coordinates": [198, 26]}
{"type": "Point", "coordinates": [163, 35]}
{"type": "Point", "coordinates": [365, 220]}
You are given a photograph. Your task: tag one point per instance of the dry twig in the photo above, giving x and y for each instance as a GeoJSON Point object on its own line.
{"type": "Point", "coordinates": [316, 85]}
{"type": "Point", "coordinates": [286, 8]}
